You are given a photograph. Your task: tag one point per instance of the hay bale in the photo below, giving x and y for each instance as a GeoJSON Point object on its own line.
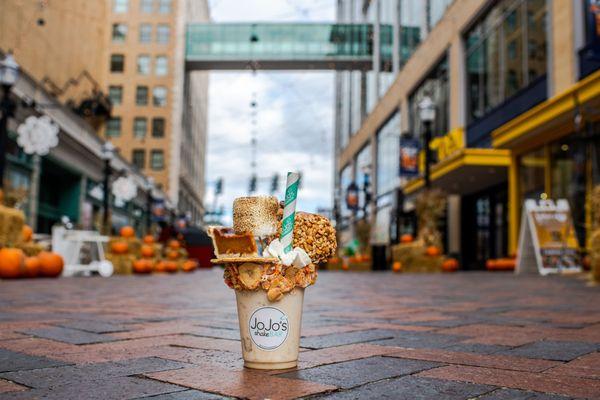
{"type": "Point", "coordinates": [30, 249]}
{"type": "Point", "coordinates": [413, 258]}
{"type": "Point", "coordinates": [122, 263]}
{"type": "Point", "coordinates": [11, 225]}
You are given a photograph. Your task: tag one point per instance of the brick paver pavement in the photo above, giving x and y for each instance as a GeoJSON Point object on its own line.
{"type": "Point", "coordinates": [371, 335]}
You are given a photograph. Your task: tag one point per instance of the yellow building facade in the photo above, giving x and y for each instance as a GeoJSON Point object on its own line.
{"type": "Point", "coordinates": [515, 83]}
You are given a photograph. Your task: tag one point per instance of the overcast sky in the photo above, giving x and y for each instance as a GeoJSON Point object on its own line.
{"type": "Point", "coordinates": [294, 115]}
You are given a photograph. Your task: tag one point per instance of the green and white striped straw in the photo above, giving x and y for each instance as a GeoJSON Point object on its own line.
{"type": "Point", "coordinates": [289, 211]}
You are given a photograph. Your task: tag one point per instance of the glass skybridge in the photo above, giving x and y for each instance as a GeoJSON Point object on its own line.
{"type": "Point", "coordinates": [289, 46]}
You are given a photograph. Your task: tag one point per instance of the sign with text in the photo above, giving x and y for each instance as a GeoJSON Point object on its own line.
{"type": "Point", "coordinates": [448, 144]}
{"type": "Point", "coordinates": [409, 157]}
{"type": "Point", "coordinates": [547, 238]}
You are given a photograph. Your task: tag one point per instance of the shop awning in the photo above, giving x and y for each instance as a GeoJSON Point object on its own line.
{"type": "Point", "coordinates": [466, 171]}
{"type": "Point", "coordinates": [551, 119]}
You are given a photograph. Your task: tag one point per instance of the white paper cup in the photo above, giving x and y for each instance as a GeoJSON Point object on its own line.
{"type": "Point", "coordinates": [270, 331]}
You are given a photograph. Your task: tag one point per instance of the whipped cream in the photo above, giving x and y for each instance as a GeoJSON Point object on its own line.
{"type": "Point", "coordinates": [297, 257]}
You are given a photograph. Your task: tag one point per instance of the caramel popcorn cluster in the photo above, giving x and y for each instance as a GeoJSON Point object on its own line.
{"type": "Point", "coordinates": [315, 234]}
{"type": "Point", "coordinates": [275, 278]}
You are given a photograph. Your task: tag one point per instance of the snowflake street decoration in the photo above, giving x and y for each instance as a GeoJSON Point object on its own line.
{"type": "Point", "coordinates": [124, 188]}
{"type": "Point", "coordinates": [97, 192]}
{"type": "Point", "coordinates": [37, 135]}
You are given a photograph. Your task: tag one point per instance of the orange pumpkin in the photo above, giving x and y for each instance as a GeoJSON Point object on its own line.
{"type": "Point", "coordinates": [11, 263]}
{"type": "Point", "coordinates": [433, 251]}
{"type": "Point", "coordinates": [396, 266]}
{"type": "Point", "coordinates": [505, 264]}
{"type": "Point", "coordinates": [450, 265]}
{"type": "Point", "coordinates": [490, 264]}
{"type": "Point", "coordinates": [148, 239]}
{"type": "Point", "coordinates": [120, 247]}
{"type": "Point", "coordinates": [171, 266]}
{"type": "Point", "coordinates": [127, 232]}
{"type": "Point", "coordinates": [172, 255]}
{"type": "Point", "coordinates": [141, 266]}
{"type": "Point", "coordinates": [147, 251]}
{"type": "Point", "coordinates": [51, 264]}
{"type": "Point", "coordinates": [160, 266]}
{"type": "Point", "coordinates": [189, 265]}
{"type": "Point", "coordinates": [174, 244]}
{"type": "Point", "coordinates": [345, 266]}
{"type": "Point", "coordinates": [27, 233]}
{"type": "Point", "coordinates": [406, 238]}
{"type": "Point", "coordinates": [32, 267]}
{"type": "Point", "coordinates": [151, 264]}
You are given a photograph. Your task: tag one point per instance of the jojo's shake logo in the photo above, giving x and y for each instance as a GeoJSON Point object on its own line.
{"type": "Point", "coordinates": [269, 327]}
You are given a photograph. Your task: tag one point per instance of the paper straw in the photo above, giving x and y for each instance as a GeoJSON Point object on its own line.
{"type": "Point", "coordinates": [289, 211]}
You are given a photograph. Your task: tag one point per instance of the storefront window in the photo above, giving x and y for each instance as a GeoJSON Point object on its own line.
{"type": "Point", "coordinates": [363, 167]}
{"type": "Point", "coordinates": [565, 169]}
{"type": "Point", "coordinates": [571, 167]}
{"type": "Point", "coordinates": [345, 180]}
{"type": "Point", "coordinates": [506, 52]}
{"type": "Point", "coordinates": [411, 22]}
{"type": "Point", "coordinates": [532, 174]}
{"type": "Point", "coordinates": [388, 155]}
{"type": "Point", "coordinates": [436, 87]}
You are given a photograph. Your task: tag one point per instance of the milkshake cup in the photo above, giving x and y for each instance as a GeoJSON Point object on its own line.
{"type": "Point", "coordinates": [270, 331]}
{"type": "Point", "coordinates": [268, 265]}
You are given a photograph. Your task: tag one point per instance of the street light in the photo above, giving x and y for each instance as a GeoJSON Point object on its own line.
{"type": "Point", "coordinates": [427, 116]}
{"type": "Point", "coordinates": [149, 188]}
{"type": "Point", "coordinates": [9, 74]}
{"type": "Point", "coordinates": [9, 71]}
{"type": "Point", "coordinates": [366, 188]}
{"type": "Point", "coordinates": [108, 153]}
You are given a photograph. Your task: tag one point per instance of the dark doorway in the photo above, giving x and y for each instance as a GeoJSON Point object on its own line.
{"type": "Point", "coordinates": [59, 195]}
{"type": "Point", "coordinates": [484, 226]}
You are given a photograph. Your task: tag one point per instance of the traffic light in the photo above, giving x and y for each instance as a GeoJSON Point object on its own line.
{"type": "Point", "coordinates": [252, 188]}
{"type": "Point", "coordinates": [274, 183]}
{"type": "Point", "coordinates": [219, 187]}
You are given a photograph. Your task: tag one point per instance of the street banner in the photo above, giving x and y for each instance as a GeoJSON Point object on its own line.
{"type": "Point", "coordinates": [409, 158]}
{"type": "Point", "coordinates": [352, 197]}
{"type": "Point", "coordinates": [159, 211]}
{"type": "Point", "coordinates": [547, 239]}
{"type": "Point", "coordinates": [593, 7]}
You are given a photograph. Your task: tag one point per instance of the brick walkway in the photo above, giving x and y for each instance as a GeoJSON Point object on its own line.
{"type": "Point", "coordinates": [459, 336]}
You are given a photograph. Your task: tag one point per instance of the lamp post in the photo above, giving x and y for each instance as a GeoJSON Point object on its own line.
{"type": "Point", "coordinates": [149, 188]}
{"type": "Point", "coordinates": [366, 189]}
{"type": "Point", "coordinates": [9, 74]}
{"type": "Point", "coordinates": [108, 153]}
{"type": "Point", "coordinates": [427, 116]}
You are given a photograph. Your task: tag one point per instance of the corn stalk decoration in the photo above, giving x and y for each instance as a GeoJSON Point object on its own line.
{"type": "Point", "coordinates": [11, 218]}
{"type": "Point", "coordinates": [430, 206]}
